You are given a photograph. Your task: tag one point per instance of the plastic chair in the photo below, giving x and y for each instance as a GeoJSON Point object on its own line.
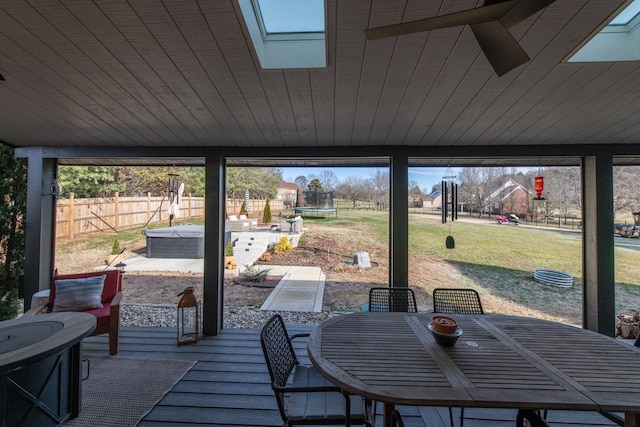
{"type": "Point", "coordinates": [456, 301]}
{"type": "Point", "coordinates": [398, 299]}
{"type": "Point", "coordinates": [396, 419]}
{"type": "Point", "coordinates": [303, 395]}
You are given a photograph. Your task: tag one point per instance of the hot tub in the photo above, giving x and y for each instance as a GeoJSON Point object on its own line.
{"type": "Point", "coordinates": [181, 241]}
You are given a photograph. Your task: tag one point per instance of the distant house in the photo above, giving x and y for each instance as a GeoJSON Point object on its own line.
{"type": "Point", "coordinates": [287, 192]}
{"type": "Point", "coordinates": [435, 199]}
{"type": "Point", "coordinates": [511, 197]}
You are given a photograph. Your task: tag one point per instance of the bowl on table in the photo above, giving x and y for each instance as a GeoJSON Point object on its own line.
{"type": "Point", "coordinates": [447, 339]}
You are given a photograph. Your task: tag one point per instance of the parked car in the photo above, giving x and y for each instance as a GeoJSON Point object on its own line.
{"type": "Point", "coordinates": [511, 218]}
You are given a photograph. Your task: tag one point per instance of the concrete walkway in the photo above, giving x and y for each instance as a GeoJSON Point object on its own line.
{"type": "Point", "coordinates": [300, 289]}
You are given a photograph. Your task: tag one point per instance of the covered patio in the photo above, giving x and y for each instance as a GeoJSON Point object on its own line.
{"type": "Point", "coordinates": [229, 385]}
{"type": "Point", "coordinates": [181, 83]}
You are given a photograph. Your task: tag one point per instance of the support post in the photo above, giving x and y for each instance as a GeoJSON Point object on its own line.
{"type": "Point", "coordinates": [212, 308]}
{"type": "Point", "coordinates": [399, 220]}
{"type": "Point", "coordinates": [40, 226]}
{"type": "Point", "coordinates": [598, 257]}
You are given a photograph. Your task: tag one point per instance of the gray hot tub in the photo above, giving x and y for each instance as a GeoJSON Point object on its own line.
{"type": "Point", "coordinates": [181, 241]}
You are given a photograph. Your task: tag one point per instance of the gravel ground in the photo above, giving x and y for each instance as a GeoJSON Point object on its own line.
{"type": "Point", "coordinates": [158, 315]}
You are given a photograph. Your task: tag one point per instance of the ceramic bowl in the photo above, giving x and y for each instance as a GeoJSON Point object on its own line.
{"type": "Point", "coordinates": [447, 340]}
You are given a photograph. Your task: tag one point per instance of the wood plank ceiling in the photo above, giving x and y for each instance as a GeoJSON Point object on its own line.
{"type": "Point", "coordinates": [171, 73]}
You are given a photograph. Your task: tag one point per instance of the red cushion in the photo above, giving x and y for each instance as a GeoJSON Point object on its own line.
{"type": "Point", "coordinates": [102, 315]}
{"type": "Point", "coordinates": [111, 284]}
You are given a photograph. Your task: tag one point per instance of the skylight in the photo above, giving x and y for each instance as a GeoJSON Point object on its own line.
{"type": "Point", "coordinates": [619, 40]}
{"type": "Point", "coordinates": [292, 16]}
{"type": "Point", "coordinates": [627, 15]}
{"type": "Point", "coordinates": [286, 33]}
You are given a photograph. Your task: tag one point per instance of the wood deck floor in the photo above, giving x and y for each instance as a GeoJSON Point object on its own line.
{"type": "Point", "coordinates": [229, 386]}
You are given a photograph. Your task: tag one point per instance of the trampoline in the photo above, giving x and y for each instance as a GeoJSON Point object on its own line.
{"type": "Point", "coordinates": [306, 211]}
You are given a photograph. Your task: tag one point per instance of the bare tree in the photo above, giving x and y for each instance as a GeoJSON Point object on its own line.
{"type": "Point", "coordinates": [329, 180]}
{"type": "Point", "coordinates": [301, 181]}
{"type": "Point", "coordinates": [355, 189]}
{"type": "Point", "coordinates": [626, 192]}
{"type": "Point", "coordinates": [380, 188]}
{"type": "Point", "coordinates": [476, 186]}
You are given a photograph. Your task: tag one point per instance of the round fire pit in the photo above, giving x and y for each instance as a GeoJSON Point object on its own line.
{"type": "Point", "coordinates": [553, 278]}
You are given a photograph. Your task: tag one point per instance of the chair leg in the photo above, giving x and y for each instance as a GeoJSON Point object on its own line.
{"type": "Point", "coordinates": [534, 418]}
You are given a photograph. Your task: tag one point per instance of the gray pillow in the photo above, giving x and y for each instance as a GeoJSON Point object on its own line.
{"type": "Point", "coordinates": [78, 294]}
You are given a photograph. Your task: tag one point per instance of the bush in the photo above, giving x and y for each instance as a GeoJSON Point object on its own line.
{"type": "Point", "coordinates": [253, 274]}
{"type": "Point", "coordinates": [13, 187]}
{"type": "Point", "coordinates": [283, 246]}
{"type": "Point", "coordinates": [115, 249]}
{"type": "Point", "coordinates": [228, 250]}
{"type": "Point", "coordinates": [266, 214]}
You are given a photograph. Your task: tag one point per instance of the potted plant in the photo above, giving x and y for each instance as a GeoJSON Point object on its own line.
{"type": "Point", "coordinates": [229, 259]}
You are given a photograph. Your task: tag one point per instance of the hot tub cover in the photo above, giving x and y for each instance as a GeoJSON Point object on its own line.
{"type": "Point", "coordinates": [179, 231]}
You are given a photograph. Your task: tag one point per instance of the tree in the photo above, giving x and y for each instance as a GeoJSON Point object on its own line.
{"type": "Point", "coordinates": [260, 182]}
{"type": "Point", "coordinates": [329, 180]}
{"type": "Point", "coordinates": [414, 194]}
{"type": "Point", "coordinates": [90, 181]}
{"type": "Point", "coordinates": [315, 185]}
{"type": "Point", "coordinates": [301, 181]}
{"type": "Point", "coordinates": [626, 191]}
{"type": "Point", "coordinates": [13, 187]}
{"type": "Point", "coordinates": [380, 188]}
{"type": "Point", "coordinates": [476, 186]}
{"type": "Point", "coordinates": [355, 189]}
{"type": "Point", "coordinates": [266, 213]}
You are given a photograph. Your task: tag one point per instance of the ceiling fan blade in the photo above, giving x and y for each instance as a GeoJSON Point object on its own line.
{"type": "Point", "coordinates": [492, 12]}
{"type": "Point", "coordinates": [503, 52]}
{"type": "Point", "coordinates": [523, 10]}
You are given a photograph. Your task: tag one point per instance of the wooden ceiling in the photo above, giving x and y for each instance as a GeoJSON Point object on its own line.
{"type": "Point", "coordinates": [172, 73]}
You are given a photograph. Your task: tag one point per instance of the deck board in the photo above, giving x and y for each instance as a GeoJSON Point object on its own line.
{"type": "Point", "coordinates": [229, 386]}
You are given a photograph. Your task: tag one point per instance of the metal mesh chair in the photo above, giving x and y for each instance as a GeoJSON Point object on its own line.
{"type": "Point", "coordinates": [303, 395]}
{"type": "Point", "coordinates": [392, 299]}
{"type": "Point", "coordinates": [456, 301]}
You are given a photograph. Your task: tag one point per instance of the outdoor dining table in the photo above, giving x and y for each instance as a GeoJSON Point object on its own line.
{"type": "Point", "coordinates": [498, 362]}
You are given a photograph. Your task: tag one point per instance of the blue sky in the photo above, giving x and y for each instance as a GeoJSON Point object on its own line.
{"type": "Point", "coordinates": [425, 177]}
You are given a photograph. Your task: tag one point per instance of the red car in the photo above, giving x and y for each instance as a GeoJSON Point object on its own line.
{"type": "Point", "coordinates": [506, 219]}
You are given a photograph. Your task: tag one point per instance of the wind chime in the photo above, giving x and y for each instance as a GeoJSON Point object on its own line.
{"type": "Point", "coordinates": [449, 198]}
{"type": "Point", "coordinates": [174, 201]}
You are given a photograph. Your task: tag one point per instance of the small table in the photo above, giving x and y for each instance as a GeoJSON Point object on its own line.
{"type": "Point", "coordinates": [498, 362]}
{"type": "Point", "coordinates": [40, 367]}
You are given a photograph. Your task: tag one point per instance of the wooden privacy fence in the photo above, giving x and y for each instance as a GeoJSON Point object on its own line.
{"type": "Point", "coordinates": [76, 217]}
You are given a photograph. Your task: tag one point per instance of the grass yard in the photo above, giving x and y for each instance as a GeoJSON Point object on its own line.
{"type": "Point", "coordinates": [497, 260]}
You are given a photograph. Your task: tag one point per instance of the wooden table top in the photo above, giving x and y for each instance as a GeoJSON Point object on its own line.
{"type": "Point", "coordinates": [518, 363]}
{"type": "Point", "coordinates": [30, 338]}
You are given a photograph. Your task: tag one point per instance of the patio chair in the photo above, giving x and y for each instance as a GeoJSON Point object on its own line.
{"type": "Point", "coordinates": [398, 299]}
{"type": "Point", "coordinates": [396, 419]}
{"type": "Point", "coordinates": [98, 293]}
{"type": "Point", "coordinates": [456, 301]}
{"type": "Point", "coordinates": [303, 395]}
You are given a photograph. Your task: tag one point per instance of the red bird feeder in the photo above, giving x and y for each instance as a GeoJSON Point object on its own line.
{"type": "Point", "coordinates": [539, 186]}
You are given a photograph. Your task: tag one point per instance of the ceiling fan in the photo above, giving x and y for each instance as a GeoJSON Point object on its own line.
{"type": "Point", "coordinates": [489, 24]}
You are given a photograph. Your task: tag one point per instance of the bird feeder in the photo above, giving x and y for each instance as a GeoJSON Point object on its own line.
{"type": "Point", "coordinates": [188, 323]}
{"type": "Point", "coordinates": [538, 187]}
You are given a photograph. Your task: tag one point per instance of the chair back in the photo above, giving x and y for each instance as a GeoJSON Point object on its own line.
{"type": "Point", "coordinates": [112, 284]}
{"type": "Point", "coordinates": [280, 356]}
{"type": "Point", "coordinates": [456, 301]}
{"type": "Point", "coordinates": [278, 351]}
{"type": "Point", "coordinates": [397, 299]}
